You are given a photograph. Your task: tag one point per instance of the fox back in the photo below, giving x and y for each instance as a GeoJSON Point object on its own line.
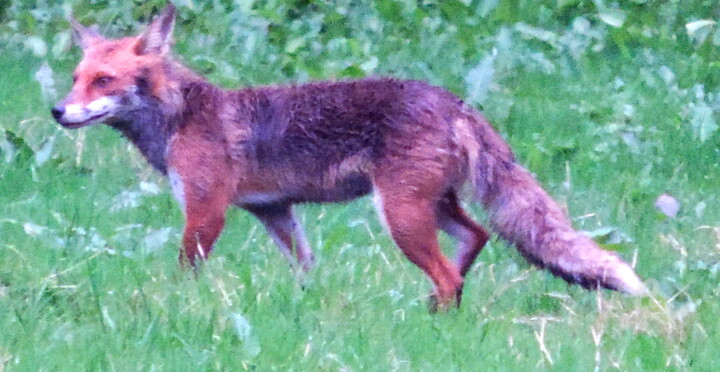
{"type": "Point", "coordinates": [416, 147]}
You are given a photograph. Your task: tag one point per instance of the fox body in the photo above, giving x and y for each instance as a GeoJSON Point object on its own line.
{"type": "Point", "coordinates": [264, 149]}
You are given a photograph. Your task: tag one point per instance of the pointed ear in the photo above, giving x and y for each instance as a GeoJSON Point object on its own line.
{"type": "Point", "coordinates": [157, 38]}
{"type": "Point", "coordinates": [84, 36]}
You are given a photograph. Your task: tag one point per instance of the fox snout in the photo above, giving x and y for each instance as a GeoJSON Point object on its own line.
{"type": "Point", "coordinates": [77, 115]}
{"type": "Point", "coordinates": [58, 113]}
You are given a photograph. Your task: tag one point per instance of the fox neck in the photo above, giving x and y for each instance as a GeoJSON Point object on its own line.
{"type": "Point", "coordinates": [149, 129]}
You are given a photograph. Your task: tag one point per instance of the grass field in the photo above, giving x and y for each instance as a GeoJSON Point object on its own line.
{"type": "Point", "coordinates": [89, 234]}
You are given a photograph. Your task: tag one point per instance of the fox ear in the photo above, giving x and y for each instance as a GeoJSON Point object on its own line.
{"type": "Point", "coordinates": [157, 38]}
{"type": "Point", "coordinates": [84, 36]}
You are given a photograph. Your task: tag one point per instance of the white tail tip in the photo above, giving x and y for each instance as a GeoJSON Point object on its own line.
{"type": "Point", "coordinates": [623, 278]}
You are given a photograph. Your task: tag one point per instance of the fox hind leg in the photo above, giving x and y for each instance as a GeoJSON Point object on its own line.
{"type": "Point", "coordinates": [470, 235]}
{"type": "Point", "coordinates": [411, 221]}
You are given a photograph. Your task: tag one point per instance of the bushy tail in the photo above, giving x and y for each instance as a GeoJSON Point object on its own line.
{"type": "Point", "coordinates": [524, 214]}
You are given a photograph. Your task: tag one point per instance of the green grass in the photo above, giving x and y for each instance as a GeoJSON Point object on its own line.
{"type": "Point", "coordinates": [88, 243]}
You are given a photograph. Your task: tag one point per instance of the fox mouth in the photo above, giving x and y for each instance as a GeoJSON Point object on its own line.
{"type": "Point", "coordinates": [90, 121]}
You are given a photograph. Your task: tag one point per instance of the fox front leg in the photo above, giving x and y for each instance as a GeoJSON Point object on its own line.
{"type": "Point", "coordinates": [287, 233]}
{"type": "Point", "coordinates": [204, 196]}
{"type": "Point", "coordinates": [204, 221]}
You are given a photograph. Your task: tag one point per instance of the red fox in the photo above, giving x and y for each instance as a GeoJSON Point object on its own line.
{"type": "Point", "coordinates": [265, 149]}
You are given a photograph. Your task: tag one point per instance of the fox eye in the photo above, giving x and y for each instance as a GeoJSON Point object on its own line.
{"type": "Point", "coordinates": [102, 81]}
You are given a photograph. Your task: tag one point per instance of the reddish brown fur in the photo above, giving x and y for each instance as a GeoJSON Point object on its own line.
{"type": "Point", "coordinates": [266, 149]}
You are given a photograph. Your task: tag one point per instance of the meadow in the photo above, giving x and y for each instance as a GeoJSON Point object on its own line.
{"type": "Point", "coordinates": [610, 105]}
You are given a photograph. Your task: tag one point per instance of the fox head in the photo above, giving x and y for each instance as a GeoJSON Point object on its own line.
{"type": "Point", "coordinates": [117, 76]}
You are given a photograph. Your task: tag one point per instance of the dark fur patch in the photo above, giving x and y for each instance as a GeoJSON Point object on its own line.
{"type": "Point", "coordinates": [201, 104]}
{"type": "Point", "coordinates": [142, 82]}
{"type": "Point", "coordinates": [320, 124]}
{"type": "Point", "coordinates": [149, 132]}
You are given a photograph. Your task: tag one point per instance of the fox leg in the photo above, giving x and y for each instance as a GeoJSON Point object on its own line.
{"type": "Point", "coordinates": [204, 201]}
{"type": "Point", "coordinates": [285, 230]}
{"type": "Point", "coordinates": [204, 221]}
{"type": "Point", "coordinates": [411, 221]}
{"type": "Point", "coordinates": [471, 237]}
{"type": "Point", "coordinates": [204, 183]}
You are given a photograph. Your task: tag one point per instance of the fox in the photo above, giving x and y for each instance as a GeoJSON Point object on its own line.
{"type": "Point", "coordinates": [417, 148]}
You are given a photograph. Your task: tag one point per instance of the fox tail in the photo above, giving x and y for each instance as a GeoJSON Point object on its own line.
{"type": "Point", "coordinates": [522, 213]}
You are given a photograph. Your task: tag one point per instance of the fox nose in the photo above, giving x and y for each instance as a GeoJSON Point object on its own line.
{"type": "Point", "coordinates": [57, 112]}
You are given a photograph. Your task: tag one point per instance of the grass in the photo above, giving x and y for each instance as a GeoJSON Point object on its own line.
{"type": "Point", "coordinates": [88, 245]}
